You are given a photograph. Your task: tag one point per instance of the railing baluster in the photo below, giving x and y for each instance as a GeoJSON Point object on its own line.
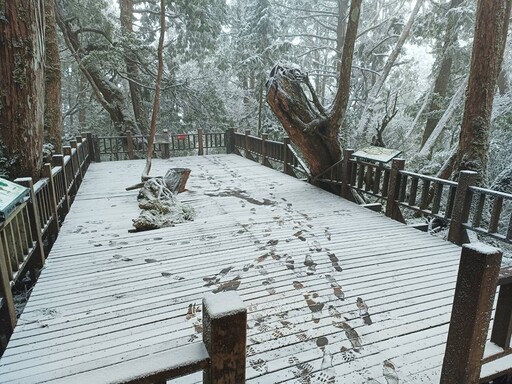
{"type": "Point", "coordinates": [477, 218]}
{"type": "Point", "coordinates": [497, 205]}
{"type": "Point", "coordinates": [502, 326]}
{"type": "Point", "coordinates": [413, 191]}
{"type": "Point", "coordinates": [425, 190]}
{"type": "Point", "coordinates": [5, 291]}
{"type": "Point", "coordinates": [438, 194]}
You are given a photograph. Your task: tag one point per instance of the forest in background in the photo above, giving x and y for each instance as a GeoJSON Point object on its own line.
{"type": "Point", "coordinates": [409, 74]}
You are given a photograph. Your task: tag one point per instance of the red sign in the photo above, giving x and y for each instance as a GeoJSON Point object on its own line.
{"type": "Point", "coordinates": [182, 136]}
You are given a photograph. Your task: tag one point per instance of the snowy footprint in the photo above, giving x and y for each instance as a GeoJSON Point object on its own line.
{"type": "Point", "coordinates": [389, 372]}
{"type": "Point", "coordinates": [337, 290]}
{"type": "Point", "coordinates": [363, 311]}
{"type": "Point", "coordinates": [334, 262]}
{"type": "Point", "coordinates": [314, 305]}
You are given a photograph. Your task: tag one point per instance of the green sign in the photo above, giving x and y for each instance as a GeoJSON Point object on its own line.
{"type": "Point", "coordinates": [377, 154]}
{"type": "Point", "coordinates": [11, 194]}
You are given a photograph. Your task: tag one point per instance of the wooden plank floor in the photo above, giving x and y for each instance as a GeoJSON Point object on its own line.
{"type": "Point", "coordinates": [299, 256]}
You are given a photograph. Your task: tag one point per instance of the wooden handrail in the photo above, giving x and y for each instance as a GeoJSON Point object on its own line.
{"type": "Point", "coordinates": [35, 222]}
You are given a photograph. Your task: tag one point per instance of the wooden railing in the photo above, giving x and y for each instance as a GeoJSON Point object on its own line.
{"type": "Point", "coordinates": [277, 155]}
{"type": "Point", "coordinates": [29, 231]}
{"type": "Point", "coordinates": [459, 205]}
{"type": "Point", "coordinates": [131, 146]}
{"type": "Point", "coordinates": [478, 277]}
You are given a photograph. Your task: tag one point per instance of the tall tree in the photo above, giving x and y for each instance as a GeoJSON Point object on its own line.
{"type": "Point", "coordinates": [22, 38]}
{"type": "Point", "coordinates": [53, 105]}
{"type": "Point", "coordinates": [132, 69]}
{"type": "Point", "coordinates": [313, 128]}
{"type": "Point", "coordinates": [491, 29]}
{"type": "Point", "coordinates": [444, 71]}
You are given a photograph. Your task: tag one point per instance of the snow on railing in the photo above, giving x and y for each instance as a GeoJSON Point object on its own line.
{"type": "Point", "coordinates": [27, 234]}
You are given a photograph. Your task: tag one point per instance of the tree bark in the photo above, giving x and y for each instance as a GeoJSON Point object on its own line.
{"type": "Point", "coordinates": [132, 69]}
{"type": "Point", "coordinates": [311, 127]}
{"type": "Point", "coordinates": [53, 105]}
{"type": "Point", "coordinates": [22, 34]}
{"type": "Point", "coordinates": [443, 75]}
{"type": "Point", "coordinates": [491, 28]}
{"type": "Point", "coordinates": [108, 94]}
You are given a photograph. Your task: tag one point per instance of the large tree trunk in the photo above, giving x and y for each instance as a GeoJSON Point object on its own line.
{"type": "Point", "coordinates": [132, 69]}
{"type": "Point", "coordinates": [53, 105]}
{"type": "Point", "coordinates": [488, 46]}
{"type": "Point", "coordinates": [311, 127]}
{"type": "Point", "coordinates": [108, 94]}
{"type": "Point", "coordinates": [443, 74]}
{"type": "Point", "coordinates": [22, 84]}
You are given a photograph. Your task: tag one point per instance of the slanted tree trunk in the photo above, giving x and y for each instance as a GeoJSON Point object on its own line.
{"type": "Point", "coordinates": [22, 54]}
{"type": "Point", "coordinates": [362, 127]}
{"type": "Point", "coordinates": [108, 94]}
{"type": "Point", "coordinates": [53, 111]}
{"type": "Point", "coordinates": [156, 101]}
{"type": "Point", "coordinates": [443, 74]}
{"type": "Point", "coordinates": [488, 46]}
{"type": "Point", "coordinates": [132, 69]}
{"type": "Point", "coordinates": [311, 127]}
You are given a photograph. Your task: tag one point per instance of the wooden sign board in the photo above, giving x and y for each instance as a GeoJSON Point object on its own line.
{"type": "Point", "coordinates": [11, 194]}
{"type": "Point", "coordinates": [377, 154]}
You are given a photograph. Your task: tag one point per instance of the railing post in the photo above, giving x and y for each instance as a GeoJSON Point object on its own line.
{"type": "Point", "coordinates": [54, 227]}
{"type": "Point", "coordinates": [225, 338]}
{"type": "Point", "coordinates": [392, 208]}
{"type": "Point", "coordinates": [200, 150]}
{"type": "Point", "coordinates": [129, 144]}
{"type": "Point", "coordinates": [35, 222]}
{"type": "Point", "coordinates": [286, 156]}
{"type": "Point", "coordinates": [346, 175]}
{"type": "Point", "coordinates": [58, 160]}
{"type": "Point", "coordinates": [230, 140]}
{"type": "Point", "coordinates": [462, 205]}
{"type": "Point", "coordinates": [246, 144]}
{"type": "Point", "coordinates": [76, 167]}
{"type": "Point", "coordinates": [67, 152]}
{"type": "Point", "coordinates": [264, 159]}
{"type": "Point", "coordinates": [471, 313]}
{"type": "Point", "coordinates": [502, 326]}
{"type": "Point", "coordinates": [165, 145]}
{"type": "Point", "coordinates": [96, 149]}
{"type": "Point", "coordinates": [9, 312]}
{"type": "Point", "coordinates": [90, 146]}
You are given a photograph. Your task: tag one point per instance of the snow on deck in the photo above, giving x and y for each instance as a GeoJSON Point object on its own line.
{"type": "Point", "coordinates": [314, 271]}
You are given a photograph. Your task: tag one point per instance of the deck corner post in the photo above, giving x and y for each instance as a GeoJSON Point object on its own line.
{"type": "Point", "coordinates": [230, 140]}
{"type": "Point", "coordinates": [35, 222]}
{"type": "Point", "coordinates": [471, 313]}
{"type": "Point", "coordinates": [392, 208]}
{"type": "Point", "coordinates": [129, 144]}
{"type": "Point", "coordinates": [225, 338]}
{"type": "Point", "coordinates": [200, 149]}
{"type": "Point", "coordinates": [461, 207]}
{"type": "Point", "coordinates": [54, 227]}
{"type": "Point", "coordinates": [58, 160]}
{"type": "Point", "coordinates": [264, 159]}
{"type": "Point", "coordinates": [346, 175]}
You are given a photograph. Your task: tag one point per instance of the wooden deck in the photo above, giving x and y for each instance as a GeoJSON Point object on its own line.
{"type": "Point", "coordinates": [299, 258]}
